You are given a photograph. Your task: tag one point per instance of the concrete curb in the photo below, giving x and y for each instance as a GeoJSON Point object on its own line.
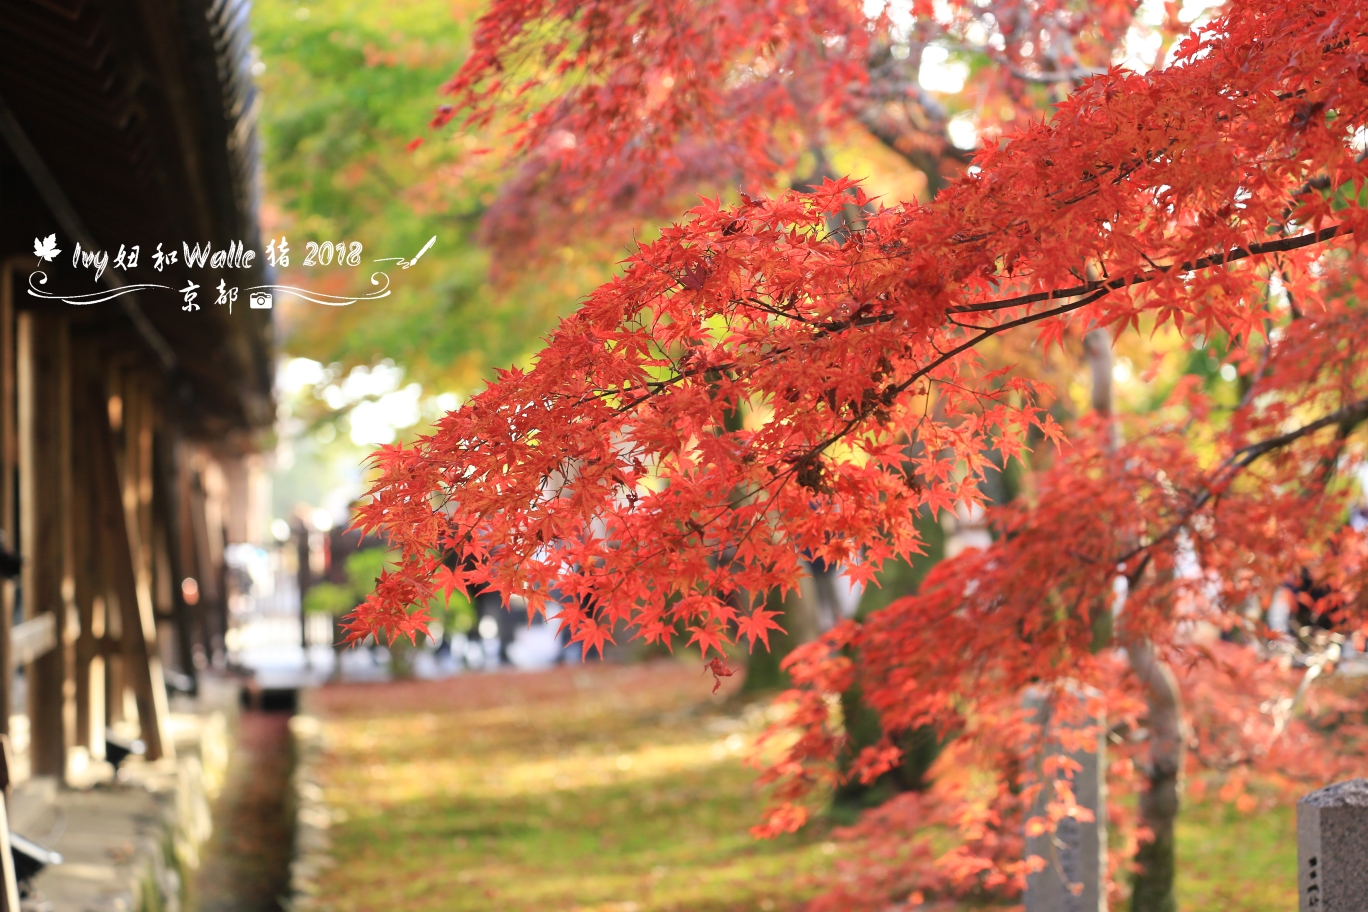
{"type": "Point", "coordinates": [313, 818]}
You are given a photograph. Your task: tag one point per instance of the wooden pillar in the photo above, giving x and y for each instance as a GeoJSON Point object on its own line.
{"type": "Point", "coordinates": [215, 516]}
{"type": "Point", "coordinates": [44, 379]}
{"type": "Point", "coordinates": [123, 550]}
{"type": "Point", "coordinates": [9, 461]}
{"type": "Point", "coordinates": [304, 580]}
{"type": "Point", "coordinates": [89, 575]}
{"type": "Point", "coordinates": [207, 535]}
{"type": "Point", "coordinates": [9, 456]}
{"type": "Point", "coordinates": [137, 465]}
{"type": "Point", "coordinates": [171, 515]}
{"type": "Point", "coordinates": [116, 681]}
{"type": "Point", "coordinates": [9, 886]}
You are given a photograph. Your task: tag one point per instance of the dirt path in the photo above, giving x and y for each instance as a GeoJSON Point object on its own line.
{"type": "Point", "coordinates": [246, 863]}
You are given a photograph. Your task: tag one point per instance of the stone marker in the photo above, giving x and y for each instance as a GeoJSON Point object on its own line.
{"type": "Point", "coordinates": [1076, 852]}
{"type": "Point", "coordinates": [1332, 848]}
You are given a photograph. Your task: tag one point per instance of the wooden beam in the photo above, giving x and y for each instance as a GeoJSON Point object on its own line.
{"type": "Point", "coordinates": [44, 388]}
{"type": "Point", "coordinates": [129, 580]}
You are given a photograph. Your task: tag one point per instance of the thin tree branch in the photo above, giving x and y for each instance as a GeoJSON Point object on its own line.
{"type": "Point", "coordinates": [1215, 259]}
{"type": "Point", "coordinates": [1347, 417]}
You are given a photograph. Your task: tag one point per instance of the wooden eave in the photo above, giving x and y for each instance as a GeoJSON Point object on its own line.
{"type": "Point", "coordinates": [143, 113]}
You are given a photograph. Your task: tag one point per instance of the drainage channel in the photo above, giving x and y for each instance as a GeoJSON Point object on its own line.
{"type": "Point", "coordinates": [245, 865]}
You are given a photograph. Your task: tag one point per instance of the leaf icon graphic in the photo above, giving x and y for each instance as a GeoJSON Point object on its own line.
{"type": "Point", "coordinates": [46, 249]}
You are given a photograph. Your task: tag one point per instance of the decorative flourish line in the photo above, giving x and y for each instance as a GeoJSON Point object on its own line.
{"type": "Point", "coordinates": [95, 297]}
{"type": "Point", "coordinates": [319, 297]}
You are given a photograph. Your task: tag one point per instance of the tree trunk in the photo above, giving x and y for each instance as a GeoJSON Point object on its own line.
{"type": "Point", "coordinates": [1152, 889]}
{"type": "Point", "coordinates": [863, 727]}
{"type": "Point", "coordinates": [802, 612]}
{"type": "Point", "coordinates": [763, 673]}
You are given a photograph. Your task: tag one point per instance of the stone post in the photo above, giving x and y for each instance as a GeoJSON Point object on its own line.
{"type": "Point", "coordinates": [1075, 873]}
{"type": "Point", "coordinates": [1332, 848]}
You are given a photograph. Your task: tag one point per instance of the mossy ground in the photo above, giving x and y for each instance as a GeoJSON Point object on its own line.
{"type": "Point", "coordinates": [601, 787]}
{"type": "Point", "coordinates": [1236, 861]}
{"type": "Point", "coordinates": [622, 788]}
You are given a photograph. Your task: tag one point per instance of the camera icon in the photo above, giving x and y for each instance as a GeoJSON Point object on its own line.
{"type": "Point", "coordinates": [260, 300]}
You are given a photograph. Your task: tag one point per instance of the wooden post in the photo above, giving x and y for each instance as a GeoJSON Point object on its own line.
{"type": "Point", "coordinates": [116, 681]}
{"type": "Point", "coordinates": [123, 556]}
{"type": "Point", "coordinates": [44, 377]}
{"type": "Point", "coordinates": [209, 559]}
{"type": "Point", "coordinates": [304, 581]}
{"type": "Point", "coordinates": [9, 885]}
{"type": "Point", "coordinates": [88, 572]}
{"type": "Point", "coordinates": [171, 512]}
{"type": "Point", "coordinates": [9, 455]}
{"type": "Point", "coordinates": [215, 518]}
{"type": "Point", "coordinates": [9, 459]}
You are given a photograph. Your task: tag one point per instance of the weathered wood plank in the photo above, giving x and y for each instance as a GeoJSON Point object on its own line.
{"type": "Point", "coordinates": [34, 638]}
{"type": "Point", "coordinates": [131, 586]}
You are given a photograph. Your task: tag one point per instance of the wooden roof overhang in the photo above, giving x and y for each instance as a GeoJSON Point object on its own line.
{"type": "Point", "coordinates": [128, 122]}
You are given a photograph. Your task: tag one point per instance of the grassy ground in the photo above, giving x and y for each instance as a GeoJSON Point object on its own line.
{"type": "Point", "coordinates": [605, 788]}
{"type": "Point", "coordinates": [1237, 862]}
{"type": "Point", "coordinates": [621, 789]}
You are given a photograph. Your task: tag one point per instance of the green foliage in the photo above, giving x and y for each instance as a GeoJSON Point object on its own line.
{"type": "Point", "coordinates": [459, 614]}
{"type": "Point", "coordinates": [330, 598]}
{"type": "Point", "coordinates": [364, 568]}
{"type": "Point", "coordinates": [347, 86]}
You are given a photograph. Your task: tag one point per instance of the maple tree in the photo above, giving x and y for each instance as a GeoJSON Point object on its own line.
{"type": "Point", "coordinates": [1221, 194]}
{"type": "Point", "coordinates": [606, 133]}
{"type": "Point", "coordinates": [618, 109]}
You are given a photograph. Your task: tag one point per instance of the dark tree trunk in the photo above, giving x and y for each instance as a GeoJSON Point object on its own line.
{"type": "Point", "coordinates": [763, 671]}
{"type": "Point", "coordinates": [1153, 886]}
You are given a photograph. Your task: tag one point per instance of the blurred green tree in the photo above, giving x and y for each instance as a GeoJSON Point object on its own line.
{"type": "Point", "coordinates": [348, 86]}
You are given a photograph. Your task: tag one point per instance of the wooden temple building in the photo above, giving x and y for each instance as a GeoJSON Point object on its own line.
{"type": "Point", "coordinates": [129, 420]}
